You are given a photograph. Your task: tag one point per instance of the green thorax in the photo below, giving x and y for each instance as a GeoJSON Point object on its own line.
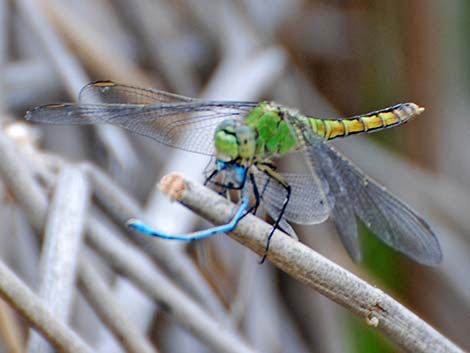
{"type": "Point", "coordinates": [274, 137]}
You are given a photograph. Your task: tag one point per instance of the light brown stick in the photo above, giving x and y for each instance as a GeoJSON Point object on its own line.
{"type": "Point", "coordinates": [402, 326]}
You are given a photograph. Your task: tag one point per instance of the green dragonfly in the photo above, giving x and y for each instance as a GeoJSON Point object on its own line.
{"type": "Point", "coordinates": [245, 138]}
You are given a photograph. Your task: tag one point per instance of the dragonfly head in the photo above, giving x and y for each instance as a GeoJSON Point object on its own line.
{"type": "Point", "coordinates": [234, 141]}
{"type": "Point", "coordinates": [235, 146]}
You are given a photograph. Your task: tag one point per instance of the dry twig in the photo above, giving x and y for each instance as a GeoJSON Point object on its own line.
{"type": "Point", "coordinates": [101, 298]}
{"type": "Point", "coordinates": [61, 248]}
{"type": "Point", "coordinates": [37, 314]}
{"type": "Point", "coordinates": [378, 309]}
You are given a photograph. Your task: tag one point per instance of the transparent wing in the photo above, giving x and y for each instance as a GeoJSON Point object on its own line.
{"type": "Point", "coordinates": [342, 212]}
{"type": "Point", "coordinates": [188, 126]}
{"type": "Point", "coordinates": [115, 93]}
{"type": "Point", "coordinates": [306, 205]}
{"type": "Point", "coordinates": [287, 228]}
{"type": "Point", "coordinates": [356, 194]}
{"type": "Point", "coordinates": [389, 218]}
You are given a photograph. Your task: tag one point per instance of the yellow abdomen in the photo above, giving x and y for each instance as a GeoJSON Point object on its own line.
{"type": "Point", "coordinates": [371, 122]}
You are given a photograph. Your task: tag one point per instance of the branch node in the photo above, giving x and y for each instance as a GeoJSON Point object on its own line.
{"type": "Point", "coordinates": [173, 185]}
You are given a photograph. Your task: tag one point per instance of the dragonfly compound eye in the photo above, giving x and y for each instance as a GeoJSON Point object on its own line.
{"type": "Point", "coordinates": [246, 137]}
{"type": "Point", "coordinates": [225, 140]}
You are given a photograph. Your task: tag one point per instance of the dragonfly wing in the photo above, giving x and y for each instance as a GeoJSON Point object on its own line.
{"type": "Point", "coordinates": [323, 173]}
{"type": "Point", "coordinates": [355, 193]}
{"type": "Point", "coordinates": [287, 228]}
{"type": "Point", "coordinates": [189, 126]}
{"type": "Point", "coordinates": [115, 93]}
{"type": "Point", "coordinates": [343, 214]}
{"type": "Point", "coordinates": [390, 219]}
{"type": "Point", "coordinates": [306, 204]}
{"type": "Point", "coordinates": [345, 222]}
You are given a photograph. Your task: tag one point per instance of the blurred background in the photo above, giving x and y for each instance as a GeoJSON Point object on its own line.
{"type": "Point", "coordinates": [326, 58]}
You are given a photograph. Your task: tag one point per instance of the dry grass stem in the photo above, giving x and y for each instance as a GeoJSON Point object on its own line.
{"type": "Point", "coordinates": [377, 308]}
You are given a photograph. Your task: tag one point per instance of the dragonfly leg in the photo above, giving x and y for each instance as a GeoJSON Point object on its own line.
{"type": "Point", "coordinates": [222, 191]}
{"type": "Point", "coordinates": [254, 208]}
{"type": "Point", "coordinates": [211, 175]}
{"type": "Point", "coordinates": [265, 187]}
{"type": "Point", "coordinates": [276, 176]}
{"type": "Point", "coordinates": [228, 227]}
{"type": "Point", "coordinates": [257, 194]}
{"type": "Point", "coordinates": [276, 224]}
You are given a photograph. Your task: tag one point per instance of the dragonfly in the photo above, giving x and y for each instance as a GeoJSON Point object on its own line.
{"type": "Point", "coordinates": [245, 138]}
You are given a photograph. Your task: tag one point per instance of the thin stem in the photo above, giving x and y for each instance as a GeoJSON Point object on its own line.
{"type": "Point", "coordinates": [10, 330]}
{"type": "Point", "coordinates": [378, 309]}
{"type": "Point", "coordinates": [20, 297]}
{"type": "Point", "coordinates": [101, 298]}
{"type": "Point", "coordinates": [61, 248]}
